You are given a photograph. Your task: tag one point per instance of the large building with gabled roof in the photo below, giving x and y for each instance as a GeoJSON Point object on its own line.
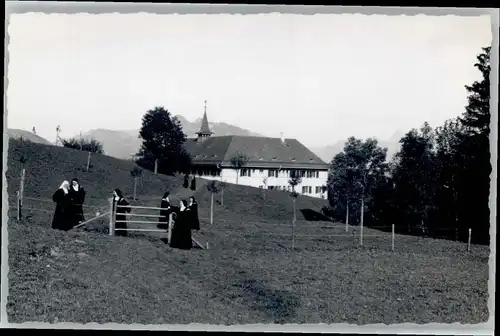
{"type": "Point", "coordinates": [270, 161]}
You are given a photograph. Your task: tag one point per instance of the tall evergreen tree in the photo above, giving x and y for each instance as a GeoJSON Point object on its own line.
{"type": "Point", "coordinates": [475, 146]}
{"type": "Point", "coordinates": [414, 175]}
{"type": "Point", "coordinates": [476, 117]}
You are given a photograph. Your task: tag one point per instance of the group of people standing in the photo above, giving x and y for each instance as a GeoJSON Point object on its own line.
{"type": "Point", "coordinates": [69, 200]}
{"type": "Point", "coordinates": [185, 218]}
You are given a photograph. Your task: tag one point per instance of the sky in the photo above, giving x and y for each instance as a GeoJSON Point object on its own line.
{"type": "Point", "coordinates": [316, 78]}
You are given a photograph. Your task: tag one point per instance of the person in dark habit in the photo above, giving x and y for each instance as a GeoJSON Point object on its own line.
{"type": "Point", "coordinates": [181, 231]}
{"type": "Point", "coordinates": [121, 207]}
{"type": "Point", "coordinates": [77, 197]}
{"type": "Point", "coordinates": [164, 212]}
{"type": "Point", "coordinates": [193, 212]}
{"type": "Point", "coordinates": [62, 214]}
{"type": "Point", "coordinates": [193, 183]}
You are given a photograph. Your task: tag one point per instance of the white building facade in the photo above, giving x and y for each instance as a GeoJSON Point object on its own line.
{"type": "Point", "coordinates": [313, 181]}
{"type": "Point", "coordinates": [269, 162]}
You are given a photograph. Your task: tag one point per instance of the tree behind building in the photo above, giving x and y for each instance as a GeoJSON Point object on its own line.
{"type": "Point", "coordinates": [163, 140]}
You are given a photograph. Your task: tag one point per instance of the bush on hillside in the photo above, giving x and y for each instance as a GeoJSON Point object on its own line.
{"type": "Point", "coordinates": [91, 145]}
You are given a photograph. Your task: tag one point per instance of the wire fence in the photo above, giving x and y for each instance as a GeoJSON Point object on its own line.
{"type": "Point", "coordinates": [300, 230]}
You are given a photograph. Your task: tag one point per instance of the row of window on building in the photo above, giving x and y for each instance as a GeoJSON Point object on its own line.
{"type": "Point", "coordinates": [270, 173]}
{"type": "Point", "coordinates": [281, 173]}
{"type": "Point", "coordinates": [206, 172]}
{"type": "Point", "coordinates": [305, 189]}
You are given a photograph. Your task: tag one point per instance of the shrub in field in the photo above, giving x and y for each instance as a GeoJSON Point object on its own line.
{"type": "Point", "coordinates": [327, 211]}
{"type": "Point", "coordinates": [91, 145]}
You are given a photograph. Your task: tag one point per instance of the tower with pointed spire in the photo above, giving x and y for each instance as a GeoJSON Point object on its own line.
{"type": "Point", "coordinates": [204, 131]}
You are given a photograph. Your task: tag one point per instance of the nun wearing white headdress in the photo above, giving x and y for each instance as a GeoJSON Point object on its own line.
{"type": "Point", "coordinates": [62, 214]}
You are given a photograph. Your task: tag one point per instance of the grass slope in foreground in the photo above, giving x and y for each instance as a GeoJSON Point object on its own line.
{"type": "Point", "coordinates": [249, 274]}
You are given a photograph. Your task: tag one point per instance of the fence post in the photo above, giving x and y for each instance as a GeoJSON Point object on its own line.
{"type": "Point", "coordinates": [23, 174]}
{"type": "Point", "coordinates": [361, 222]}
{"type": "Point", "coordinates": [392, 244]}
{"type": "Point", "coordinates": [170, 224]}
{"type": "Point", "coordinates": [347, 218]}
{"type": "Point", "coordinates": [18, 208]}
{"type": "Point", "coordinates": [111, 217]}
{"type": "Point", "coordinates": [211, 208]}
{"type": "Point", "coordinates": [468, 242]}
{"type": "Point", "coordinates": [156, 166]}
{"type": "Point", "coordinates": [88, 161]}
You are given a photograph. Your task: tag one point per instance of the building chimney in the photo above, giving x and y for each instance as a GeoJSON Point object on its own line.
{"type": "Point", "coordinates": [282, 138]}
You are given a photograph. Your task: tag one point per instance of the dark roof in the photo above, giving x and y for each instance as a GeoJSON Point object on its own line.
{"type": "Point", "coordinates": [204, 128]}
{"type": "Point", "coordinates": [263, 152]}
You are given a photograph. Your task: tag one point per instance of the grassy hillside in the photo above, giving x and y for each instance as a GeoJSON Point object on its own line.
{"type": "Point", "coordinates": [48, 166]}
{"type": "Point", "coordinates": [29, 136]}
{"type": "Point", "coordinates": [249, 274]}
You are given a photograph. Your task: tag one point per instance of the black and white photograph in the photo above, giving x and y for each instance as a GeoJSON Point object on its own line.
{"type": "Point", "coordinates": [268, 168]}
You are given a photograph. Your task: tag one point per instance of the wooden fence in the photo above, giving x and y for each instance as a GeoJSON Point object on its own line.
{"type": "Point", "coordinates": [112, 221]}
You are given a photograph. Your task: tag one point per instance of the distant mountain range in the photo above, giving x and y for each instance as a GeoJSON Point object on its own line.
{"type": "Point", "coordinates": [326, 153]}
{"type": "Point", "coordinates": [124, 144]}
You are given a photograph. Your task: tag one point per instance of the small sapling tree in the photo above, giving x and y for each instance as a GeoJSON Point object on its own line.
{"type": "Point", "coordinates": [264, 187]}
{"type": "Point", "coordinates": [135, 173]}
{"type": "Point", "coordinates": [213, 188]}
{"type": "Point", "coordinates": [294, 180]}
{"type": "Point", "coordinates": [238, 161]}
{"type": "Point", "coordinates": [222, 185]}
{"type": "Point", "coordinates": [22, 160]}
